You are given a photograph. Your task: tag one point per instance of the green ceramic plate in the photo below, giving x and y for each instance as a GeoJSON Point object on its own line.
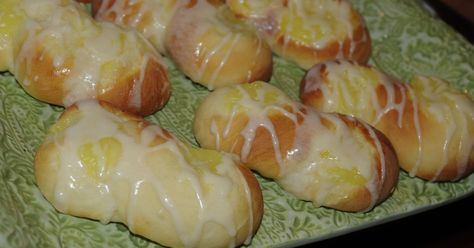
{"type": "Point", "coordinates": [406, 40]}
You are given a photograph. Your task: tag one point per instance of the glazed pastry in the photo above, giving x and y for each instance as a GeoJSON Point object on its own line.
{"type": "Point", "coordinates": [308, 31]}
{"type": "Point", "coordinates": [430, 124]}
{"type": "Point", "coordinates": [60, 55]}
{"type": "Point", "coordinates": [100, 163]}
{"type": "Point", "coordinates": [214, 50]}
{"type": "Point", "coordinates": [330, 159]}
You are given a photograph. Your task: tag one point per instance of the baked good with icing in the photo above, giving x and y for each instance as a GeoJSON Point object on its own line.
{"type": "Point", "coordinates": [308, 31]}
{"type": "Point", "coordinates": [201, 37]}
{"type": "Point", "coordinates": [60, 54]}
{"type": "Point", "coordinates": [430, 124]}
{"type": "Point", "coordinates": [332, 160]}
{"type": "Point", "coordinates": [100, 163]}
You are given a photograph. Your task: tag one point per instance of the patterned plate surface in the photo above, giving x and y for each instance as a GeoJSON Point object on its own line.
{"type": "Point", "coordinates": [406, 40]}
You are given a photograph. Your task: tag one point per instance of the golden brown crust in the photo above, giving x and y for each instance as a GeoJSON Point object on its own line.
{"type": "Point", "coordinates": [53, 68]}
{"type": "Point", "coordinates": [127, 17]}
{"type": "Point", "coordinates": [405, 139]}
{"type": "Point", "coordinates": [297, 134]}
{"type": "Point", "coordinates": [45, 82]}
{"type": "Point", "coordinates": [408, 114]}
{"type": "Point", "coordinates": [155, 90]}
{"type": "Point", "coordinates": [214, 53]}
{"type": "Point", "coordinates": [355, 45]}
{"type": "Point", "coordinates": [260, 157]}
{"type": "Point", "coordinates": [150, 217]}
{"type": "Point", "coordinates": [387, 168]}
{"type": "Point", "coordinates": [357, 48]}
{"type": "Point", "coordinates": [256, 196]}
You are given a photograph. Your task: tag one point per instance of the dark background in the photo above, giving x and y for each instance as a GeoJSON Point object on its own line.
{"type": "Point", "coordinates": [451, 225]}
{"type": "Point", "coordinates": [457, 13]}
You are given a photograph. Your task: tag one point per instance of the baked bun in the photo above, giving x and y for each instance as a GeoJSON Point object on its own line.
{"type": "Point", "coordinates": [308, 31]}
{"type": "Point", "coordinates": [213, 49]}
{"type": "Point", "coordinates": [100, 163]}
{"type": "Point", "coordinates": [61, 55]}
{"type": "Point", "coordinates": [429, 123]}
{"type": "Point", "coordinates": [332, 160]}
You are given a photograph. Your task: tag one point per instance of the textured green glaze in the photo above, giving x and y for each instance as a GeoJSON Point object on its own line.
{"type": "Point", "coordinates": [407, 40]}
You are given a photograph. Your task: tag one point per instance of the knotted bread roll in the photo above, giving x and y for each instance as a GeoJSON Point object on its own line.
{"type": "Point", "coordinates": [308, 31]}
{"type": "Point", "coordinates": [100, 163]}
{"type": "Point", "coordinates": [430, 124]}
{"type": "Point", "coordinates": [330, 159]}
{"type": "Point", "coordinates": [60, 55]}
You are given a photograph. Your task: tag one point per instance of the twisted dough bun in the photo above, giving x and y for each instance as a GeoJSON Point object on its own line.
{"type": "Point", "coordinates": [308, 31]}
{"type": "Point", "coordinates": [330, 159]}
{"type": "Point", "coordinates": [200, 36]}
{"type": "Point", "coordinates": [100, 163]}
{"type": "Point", "coordinates": [430, 124]}
{"type": "Point", "coordinates": [60, 55]}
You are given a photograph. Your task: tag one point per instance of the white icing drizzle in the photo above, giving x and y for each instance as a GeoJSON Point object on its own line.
{"type": "Point", "coordinates": [353, 74]}
{"type": "Point", "coordinates": [375, 185]}
{"type": "Point", "coordinates": [96, 124]}
{"type": "Point", "coordinates": [258, 118]}
{"type": "Point", "coordinates": [248, 196]}
{"type": "Point", "coordinates": [215, 132]}
{"type": "Point", "coordinates": [225, 58]}
{"type": "Point", "coordinates": [88, 47]}
{"type": "Point", "coordinates": [457, 112]}
{"type": "Point", "coordinates": [381, 111]}
{"type": "Point", "coordinates": [419, 135]}
{"type": "Point", "coordinates": [298, 165]}
{"type": "Point", "coordinates": [255, 60]}
{"type": "Point", "coordinates": [136, 94]}
{"type": "Point", "coordinates": [450, 109]}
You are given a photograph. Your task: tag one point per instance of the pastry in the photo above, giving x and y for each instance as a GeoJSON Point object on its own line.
{"type": "Point", "coordinates": [100, 163]}
{"type": "Point", "coordinates": [430, 124]}
{"type": "Point", "coordinates": [211, 48]}
{"type": "Point", "coordinates": [332, 160]}
{"type": "Point", "coordinates": [308, 31]}
{"type": "Point", "coordinates": [201, 37]}
{"type": "Point", "coordinates": [60, 55]}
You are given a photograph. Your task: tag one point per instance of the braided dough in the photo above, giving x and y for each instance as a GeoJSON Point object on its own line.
{"type": "Point", "coordinates": [430, 124]}
{"type": "Point", "coordinates": [60, 55]}
{"type": "Point", "coordinates": [330, 159]}
{"type": "Point", "coordinates": [100, 163]}
{"type": "Point", "coordinates": [307, 31]}
{"type": "Point", "coordinates": [201, 37]}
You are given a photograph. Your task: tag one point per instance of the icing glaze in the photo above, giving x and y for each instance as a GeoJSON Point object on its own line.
{"type": "Point", "coordinates": [371, 95]}
{"type": "Point", "coordinates": [87, 58]}
{"type": "Point", "coordinates": [322, 157]}
{"type": "Point", "coordinates": [114, 163]}
{"type": "Point", "coordinates": [311, 25]}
